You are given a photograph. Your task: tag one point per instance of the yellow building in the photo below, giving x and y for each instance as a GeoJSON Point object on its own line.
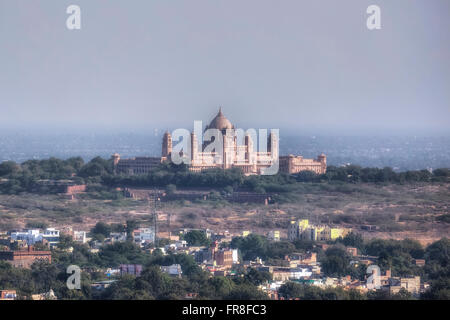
{"type": "Point", "coordinates": [336, 233]}
{"type": "Point", "coordinates": [301, 229]}
{"type": "Point", "coordinates": [325, 233]}
{"type": "Point", "coordinates": [274, 235]}
{"type": "Point", "coordinates": [296, 228]}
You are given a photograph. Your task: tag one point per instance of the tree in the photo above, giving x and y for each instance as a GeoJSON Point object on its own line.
{"type": "Point", "coordinates": [196, 238]}
{"type": "Point", "coordinates": [291, 290]}
{"type": "Point", "coordinates": [251, 247]}
{"type": "Point", "coordinates": [221, 286]}
{"type": "Point", "coordinates": [228, 189]}
{"type": "Point", "coordinates": [353, 240]}
{"type": "Point", "coordinates": [131, 225]}
{"type": "Point", "coordinates": [76, 163]}
{"type": "Point", "coordinates": [36, 225]}
{"type": "Point", "coordinates": [278, 249]}
{"type": "Point", "coordinates": [437, 256]}
{"type": "Point", "coordinates": [153, 281]}
{"type": "Point", "coordinates": [336, 262]}
{"type": "Point", "coordinates": [246, 292]}
{"type": "Point", "coordinates": [40, 246]}
{"type": "Point", "coordinates": [256, 277]}
{"type": "Point", "coordinates": [306, 176]}
{"type": "Point", "coordinates": [170, 189]}
{"type": "Point", "coordinates": [8, 168]}
{"type": "Point", "coordinates": [65, 241]}
{"type": "Point", "coordinates": [101, 228]}
{"type": "Point", "coordinates": [439, 252]}
{"type": "Point", "coordinates": [126, 289]}
{"type": "Point", "coordinates": [403, 294]}
{"type": "Point", "coordinates": [304, 245]}
{"type": "Point", "coordinates": [122, 253]}
{"type": "Point", "coordinates": [96, 167]}
{"type": "Point", "coordinates": [45, 276]}
{"type": "Point", "coordinates": [386, 295]}
{"type": "Point", "coordinates": [439, 289]}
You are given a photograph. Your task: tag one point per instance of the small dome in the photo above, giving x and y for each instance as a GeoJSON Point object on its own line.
{"type": "Point", "coordinates": [220, 122]}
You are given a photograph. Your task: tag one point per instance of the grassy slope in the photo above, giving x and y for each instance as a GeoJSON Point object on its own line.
{"type": "Point", "coordinates": [399, 210]}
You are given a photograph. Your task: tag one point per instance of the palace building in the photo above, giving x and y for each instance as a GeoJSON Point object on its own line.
{"type": "Point", "coordinates": [234, 154]}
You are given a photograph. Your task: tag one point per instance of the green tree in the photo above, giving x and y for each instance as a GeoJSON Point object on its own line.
{"type": "Point", "coordinates": [336, 262]}
{"type": "Point", "coordinates": [8, 168]}
{"type": "Point", "coordinates": [65, 241]}
{"type": "Point", "coordinates": [131, 225]}
{"type": "Point", "coordinates": [354, 240]}
{"type": "Point", "coordinates": [170, 189]}
{"type": "Point", "coordinates": [221, 287]}
{"type": "Point", "coordinates": [196, 238]}
{"type": "Point", "coordinates": [256, 277]}
{"type": "Point", "coordinates": [101, 228]}
{"type": "Point", "coordinates": [251, 246]}
{"type": "Point", "coordinates": [45, 276]}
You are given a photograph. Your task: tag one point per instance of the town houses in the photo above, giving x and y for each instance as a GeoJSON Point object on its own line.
{"type": "Point", "coordinates": [303, 230]}
{"type": "Point", "coordinates": [31, 236]}
{"type": "Point", "coordinates": [218, 254]}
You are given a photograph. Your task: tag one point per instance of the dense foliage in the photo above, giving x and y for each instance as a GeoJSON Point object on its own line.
{"type": "Point", "coordinates": [293, 290]}
{"type": "Point", "coordinates": [153, 284]}
{"type": "Point", "coordinates": [196, 238]}
{"type": "Point", "coordinates": [26, 177]}
{"type": "Point", "coordinates": [256, 246]}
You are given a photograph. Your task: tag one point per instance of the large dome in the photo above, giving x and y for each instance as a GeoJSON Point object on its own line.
{"type": "Point", "coordinates": [220, 122]}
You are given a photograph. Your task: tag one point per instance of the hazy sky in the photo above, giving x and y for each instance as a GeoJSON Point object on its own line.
{"type": "Point", "coordinates": [303, 65]}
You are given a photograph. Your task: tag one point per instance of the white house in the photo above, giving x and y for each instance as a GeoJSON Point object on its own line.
{"type": "Point", "coordinates": [51, 235]}
{"type": "Point", "coordinates": [173, 270]}
{"type": "Point", "coordinates": [177, 245]}
{"type": "Point", "coordinates": [118, 236]}
{"type": "Point", "coordinates": [31, 236]}
{"type": "Point", "coordinates": [144, 235]}
{"type": "Point", "coordinates": [235, 255]}
{"type": "Point", "coordinates": [79, 236]}
{"type": "Point", "coordinates": [299, 273]}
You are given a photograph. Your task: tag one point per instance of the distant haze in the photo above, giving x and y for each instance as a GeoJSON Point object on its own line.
{"type": "Point", "coordinates": [303, 66]}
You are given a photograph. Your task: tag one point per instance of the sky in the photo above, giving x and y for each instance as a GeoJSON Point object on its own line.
{"type": "Point", "coordinates": [301, 66]}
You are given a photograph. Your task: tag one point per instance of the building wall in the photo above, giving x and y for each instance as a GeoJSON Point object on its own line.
{"type": "Point", "coordinates": [301, 229]}
{"type": "Point", "coordinates": [75, 189]}
{"type": "Point", "coordinates": [136, 166]}
{"type": "Point", "coordinates": [224, 258]}
{"type": "Point", "coordinates": [281, 275]}
{"type": "Point", "coordinates": [8, 294]}
{"type": "Point", "coordinates": [294, 164]}
{"type": "Point", "coordinates": [235, 153]}
{"type": "Point", "coordinates": [25, 258]}
{"type": "Point", "coordinates": [412, 285]}
{"type": "Point", "coordinates": [133, 269]}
